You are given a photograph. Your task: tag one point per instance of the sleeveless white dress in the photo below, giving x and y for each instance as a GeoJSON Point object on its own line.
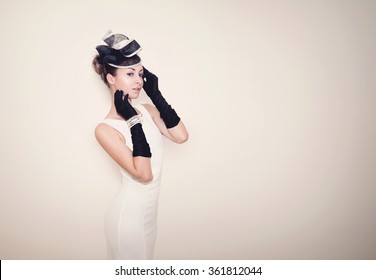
{"type": "Point", "coordinates": [131, 220]}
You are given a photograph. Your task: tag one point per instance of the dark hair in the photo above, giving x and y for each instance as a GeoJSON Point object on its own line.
{"type": "Point", "coordinates": [102, 69]}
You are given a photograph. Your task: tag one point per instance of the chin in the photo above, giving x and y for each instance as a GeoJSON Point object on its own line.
{"type": "Point", "coordinates": [134, 95]}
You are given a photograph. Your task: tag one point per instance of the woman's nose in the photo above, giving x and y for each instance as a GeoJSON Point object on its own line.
{"type": "Point", "coordinates": [139, 80]}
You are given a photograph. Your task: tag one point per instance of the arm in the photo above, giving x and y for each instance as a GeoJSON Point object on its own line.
{"type": "Point", "coordinates": [136, 163]}
{"type": "Point", "coordinates": [164, 115]}
{"type": "Point", "coordinates": [114, 144]}
{"type": "Point", "coordinates": [177, 134]}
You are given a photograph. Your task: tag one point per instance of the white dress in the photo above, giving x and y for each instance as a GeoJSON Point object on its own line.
{"type": "Point", "coordinates": [131, 220]}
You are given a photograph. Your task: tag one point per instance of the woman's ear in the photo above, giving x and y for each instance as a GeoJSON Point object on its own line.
{"type": "Point", "coordinates": [110, 79]}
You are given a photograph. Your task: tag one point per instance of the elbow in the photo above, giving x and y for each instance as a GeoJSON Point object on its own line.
{"type": "Point", "coordinates": [182, 139]}
{"type": "Point", "coordinates": [145, 178]}
{"type": "Point", "coordinates": [141, 170]}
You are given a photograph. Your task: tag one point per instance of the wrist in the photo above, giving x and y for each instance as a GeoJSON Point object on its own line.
{"type": "Point", "coordinates": [134, 120]}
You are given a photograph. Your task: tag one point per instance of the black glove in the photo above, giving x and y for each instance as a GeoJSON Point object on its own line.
{"type": "Point", "coordinates": [169, 116]}
{"type": "Point", "coordinates": [125, 109]}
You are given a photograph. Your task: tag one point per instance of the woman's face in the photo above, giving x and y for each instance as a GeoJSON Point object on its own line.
{"type": "Point", "coordinates": [129, 80]}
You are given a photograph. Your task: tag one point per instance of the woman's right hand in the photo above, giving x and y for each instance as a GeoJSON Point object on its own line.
{"type": "Point", "coordinates": [123, 107]}
{"type": "Point", "coordinates": [151, 85]}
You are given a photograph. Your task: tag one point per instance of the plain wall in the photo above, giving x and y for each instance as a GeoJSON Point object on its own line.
{"type": "Point", "coordinates": [279, 99]}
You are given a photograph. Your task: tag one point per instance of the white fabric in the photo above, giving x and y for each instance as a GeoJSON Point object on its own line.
{"type": "Point", "coordinates": [131, 220]}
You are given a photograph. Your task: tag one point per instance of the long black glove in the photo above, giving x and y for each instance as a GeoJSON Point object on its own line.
{"type": "Point", "coordinates": [125, 109]}
{"type": "Point", "coordinates": [169, 116]}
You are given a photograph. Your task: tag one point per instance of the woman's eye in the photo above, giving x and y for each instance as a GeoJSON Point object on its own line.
{"type": "Point", "coordinates": [130, 74]}
{"type": "Point", "coordinates": [142, 75]}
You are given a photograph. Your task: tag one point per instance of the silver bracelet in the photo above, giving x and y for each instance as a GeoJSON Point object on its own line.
{"type": "Point", "coordinates": [134, 120]}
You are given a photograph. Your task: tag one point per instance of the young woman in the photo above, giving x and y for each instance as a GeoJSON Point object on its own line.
{"type": "Point", "coordinates": [132, 136]}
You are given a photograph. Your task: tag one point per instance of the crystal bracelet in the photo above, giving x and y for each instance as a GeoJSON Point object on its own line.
{"type": "Point", "coordinates": [134, 120]}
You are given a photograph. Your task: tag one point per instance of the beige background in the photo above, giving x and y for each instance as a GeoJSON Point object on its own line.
{"type": "Point", "coordinates": [279, 98]}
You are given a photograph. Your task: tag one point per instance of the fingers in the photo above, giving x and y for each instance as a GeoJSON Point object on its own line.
{"type": "Point", "coordinates": [118, 97]}
{"type": "Point", "coordinates": [118, 94]}
{"type": "Point", "coordinates": [146, 71]}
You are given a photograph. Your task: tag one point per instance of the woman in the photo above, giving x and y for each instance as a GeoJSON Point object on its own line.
{"type": "Point", "coordinates": [132, 136]}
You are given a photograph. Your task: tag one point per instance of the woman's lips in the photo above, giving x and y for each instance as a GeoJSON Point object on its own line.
{"type": "Point", "coordinates": [136, 89]}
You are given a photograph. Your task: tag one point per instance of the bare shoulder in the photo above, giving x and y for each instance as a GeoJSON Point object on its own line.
{"type": "Point", "coordinates": [105, 133]}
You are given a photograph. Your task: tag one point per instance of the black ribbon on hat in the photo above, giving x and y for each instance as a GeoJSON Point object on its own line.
{"type": "Point", "coordinates": [110, 54]}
